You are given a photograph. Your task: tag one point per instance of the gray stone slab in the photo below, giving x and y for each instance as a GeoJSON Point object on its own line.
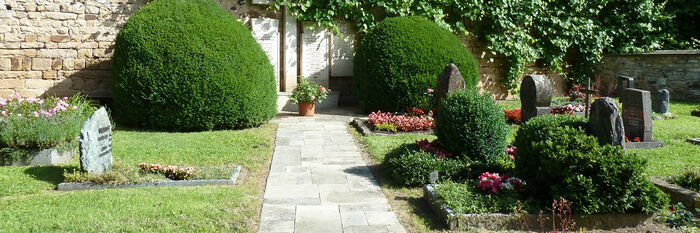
{"type": "Point", "coordinates": [365, 207]}
{"type": "Point", "coordinates": [381, 218]}
{"type": "Point", "coordinates": [276, 227]}
{"type": "Point", "coordinates": [285, 192]}
{"type": "Point", "coordinates": [277, 213]}
{"type": "Point", "coordinates": [320, 219]}
{"type": "Point", "coordinates": [353, 219]}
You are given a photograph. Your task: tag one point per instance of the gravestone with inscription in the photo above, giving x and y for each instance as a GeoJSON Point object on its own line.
{"type": "Point", "coordinates": [660, 101]}
{"type": "Point", "coordinates": [636, 115]}
{"type": "Point", "coordinates": [623, 82]}
{"type": "Point", "coordinates": [449, 81]}
{"type": "Point", "coordinates": [535, 96]}
{"type": "Point", "coordinates": [605, 122]}
{"type": "Point", "coordinates": [96, 143]}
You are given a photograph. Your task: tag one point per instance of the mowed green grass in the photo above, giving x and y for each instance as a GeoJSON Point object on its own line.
{"type": "Point", "coordinates": [29, 202]}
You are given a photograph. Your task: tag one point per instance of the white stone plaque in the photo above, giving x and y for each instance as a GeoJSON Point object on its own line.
{"type": "Point", "coordinates": [314, 54]}
{"type": "Point", "coordinates": [342, 51]}
{"type": "Point", "coordinates": [266, 32]}
{"type": "Point", "coordinates": [96, 143]}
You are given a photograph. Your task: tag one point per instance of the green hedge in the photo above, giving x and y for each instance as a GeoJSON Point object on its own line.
{"type": "Point", "coordinates": [188, 65]}
{"type": "Point", "coordinates": [411, 166]}
{"type": "Point", "coordinates": [473, 126]}
{"type": "Point", "coordinates": [399, 59]}
{"type": "Point", "coordinates": [557, 159]}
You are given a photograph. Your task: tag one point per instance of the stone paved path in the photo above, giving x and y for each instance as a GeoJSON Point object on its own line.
{"type": "Point", "coordinates": [319, 182]}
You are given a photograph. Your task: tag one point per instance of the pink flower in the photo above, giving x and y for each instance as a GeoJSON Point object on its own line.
{"type": "Point", "coordinates": [323, 89]}
{"type": "Point", "coordinates": [313, 97]}
{"type": "Point", "coordinates": [65, 98]}
{"type": "Point", "coordinates": [4, 113]}
{"type": "Point", "coordinates": [36, 114]}
{"type": "Point", "coordinates": [430, 90]}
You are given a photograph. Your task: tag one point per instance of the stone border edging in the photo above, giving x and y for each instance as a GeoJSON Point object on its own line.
{"type": "Point", "coordinates": [500, 221]}
{"type": "Point", "coordinates": [689, 198]}
{"type": "Point", "coordinates": [170, 183]}
{"type": "Point", "coordinates": [51, 156]}
{"type": "Point", "coordinates": [361, 126]}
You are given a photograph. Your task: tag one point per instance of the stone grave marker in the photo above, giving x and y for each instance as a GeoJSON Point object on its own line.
{"type": "Point", "coordinates": [96, 143]}
{"type": "Point", "coordinates": [660, 101]}
{"type": "Point", "coordinates": [535, 96]}
{"type": "Point", "coordinates": [449, 81]}
{"type": "Point", "coordinates": [636, 115]}
{"type": "Point", "coordinates": [623, 82]}
{"type": "Point", "coordinates": [605, 122]}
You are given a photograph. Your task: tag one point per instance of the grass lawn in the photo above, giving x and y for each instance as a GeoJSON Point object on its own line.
{"type": "Point", "coordinates": [30, 204]}
{"type": "Point", "coordinates": [669, 160]}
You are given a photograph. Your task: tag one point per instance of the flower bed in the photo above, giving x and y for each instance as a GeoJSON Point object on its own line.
{"type": "Point", "coordinates": [30, 125]}
{"type": "Point", "coordinates": [500, 213]}
{"type": "Point", "coordinates": [151, 175]}
{"type": "Point", "coordinates": [418, 121]}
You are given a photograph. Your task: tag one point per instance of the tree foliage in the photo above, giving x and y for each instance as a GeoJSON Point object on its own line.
{"type": "Point", "coordinates": [567, 36]}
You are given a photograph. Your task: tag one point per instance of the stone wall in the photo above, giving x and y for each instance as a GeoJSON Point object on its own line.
{"type": "Point", "coordinates": [62, 47]}
{"type": "Point", "coordinates": [675, 70]}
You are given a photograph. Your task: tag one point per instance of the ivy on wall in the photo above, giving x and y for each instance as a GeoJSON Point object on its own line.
{"type": "Point", "coordinates": [566, 36]}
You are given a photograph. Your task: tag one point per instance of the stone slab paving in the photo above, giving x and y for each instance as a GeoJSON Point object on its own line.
{"type": "Point", "coordinates": [319, 182]}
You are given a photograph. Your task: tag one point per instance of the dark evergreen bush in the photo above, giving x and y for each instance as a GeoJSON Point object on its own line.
{"type": "Point", "coordinates": [189, 65]}
{"type": "Point", "coordinates": [557, 159]}
{"type": "Point", "coordinates": [473, 126]}
{"type": "Point", "coordinates": [399, 59]}
{"type": "Point", "coordinates": [412, 166]}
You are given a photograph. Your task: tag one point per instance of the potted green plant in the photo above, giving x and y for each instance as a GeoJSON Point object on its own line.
{"type": "Point", "coordinates": [307, 94]}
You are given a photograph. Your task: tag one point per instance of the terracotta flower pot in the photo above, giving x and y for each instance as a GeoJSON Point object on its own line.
{"type": "Point", "coordinates": [307, 108]}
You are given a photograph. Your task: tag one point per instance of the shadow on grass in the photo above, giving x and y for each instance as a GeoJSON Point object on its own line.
{"type": "Point", "coordinates": [50, 174]}
{"type": "Point", "coordinates": [414, 203]}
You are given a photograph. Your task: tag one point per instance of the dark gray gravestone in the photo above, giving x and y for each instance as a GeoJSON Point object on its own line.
{"type": "Point", "coordinates": [449, 81]}
{"type": "Point", "coordinates": [606, 122]}
{"type": "Point", "coordinates": [660, 101]}
{"type": "Point", "coordinates": [636, 114]}
{"type": "Point", "coordinates": [96, 143]}
{"type": "Point", "coordinates": [535, 96]}
{"type": "Point", "coordinates": [623, 82]}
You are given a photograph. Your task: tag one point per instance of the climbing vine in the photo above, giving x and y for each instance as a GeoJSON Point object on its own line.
{"type": "Point", "coordinates": [567, 36]}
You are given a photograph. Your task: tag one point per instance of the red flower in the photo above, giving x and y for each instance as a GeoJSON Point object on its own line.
{"type": "Point", "coordinates": [671, 208]}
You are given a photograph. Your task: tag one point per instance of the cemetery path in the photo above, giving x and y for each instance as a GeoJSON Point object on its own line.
{"type": "Point", "coordinates": [319, 182]}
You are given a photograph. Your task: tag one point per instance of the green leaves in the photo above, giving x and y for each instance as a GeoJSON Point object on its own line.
{"type": "Point", "coordinates": [524, 31]}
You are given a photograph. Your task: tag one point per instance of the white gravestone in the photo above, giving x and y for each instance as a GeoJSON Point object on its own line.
{"type": "Point", "coordinates": [96, 143]}
{"type": "Point", "coordinates": [342, 51]}
{"type": "Point", "coordinates": [315, 64]}
{"type": "Point", "coordinates": [266, 32]}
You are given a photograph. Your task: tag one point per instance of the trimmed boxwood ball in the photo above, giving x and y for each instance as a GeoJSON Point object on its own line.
{"type": "Point", "coordinates": [473, 126]}
{"type": "Point", "coordinates": [399, 59]}
{"type": "Point", "coordinates": [411, 166]}
{"type": "Point", "coordinates": [188, 65]}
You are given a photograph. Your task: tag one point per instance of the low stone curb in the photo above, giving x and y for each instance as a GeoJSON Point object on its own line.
{"type": "Point", "coordinates": [51, 156]}
{"type": "Point", "coordinates": [171, 183]}
{"type": "Point", "coordinates": [499, 222]}
{"type": "Point", "coordinates": [695, 141]}
{"type": "Point", "coordinates": [689, 198]}
{"type": "Point", "coordinates": [361, 125]}
{"type": "Point", "coordinates": [653, 144]}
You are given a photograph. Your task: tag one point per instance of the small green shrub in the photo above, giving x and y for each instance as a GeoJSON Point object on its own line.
{"type": "Point", "coordinates": [474, 127]}
{"type": "Point", "coordinates": [411, 166]}
{"type": "Point", "coordinates": [189, 65]}
{"type": "Point", "coordinates": [690, 180]}
{"type": "Point", "coordinates": [466, 198]}
{"type": "Point", "coordinates": [399, 59]}
{"type": "Point", "coordinates": [386, 126]}
{"type": "Point", "coordinates": [558, 159]}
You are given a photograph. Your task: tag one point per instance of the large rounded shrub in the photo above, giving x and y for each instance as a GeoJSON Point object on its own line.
{"type": "Point", "coordinates": [188, 65]}
{"type": "Point", "coordinates": [399, 59]}
{"type": "Point", "coordinates": [474, 126]}
{"type": "Point", "coordinates": [411, 166]}
{"type": "Point", "coordinates": [557, 159]}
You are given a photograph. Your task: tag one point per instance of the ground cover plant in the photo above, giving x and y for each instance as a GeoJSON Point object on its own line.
{"type": "Point", "coordinates": [26, 192]}
{"type": "Point", "coordinates": [690, 180]}
{"type": "Point", "coordinates": [188, 66]}
{"type": "Point", "coordinates": [558, 159]}
{"type": "Point", "coordinates": [28, 124]}
{"type": "Point", "coordinates": [399, 59]}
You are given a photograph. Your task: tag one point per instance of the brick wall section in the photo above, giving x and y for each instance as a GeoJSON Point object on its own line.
{"type": "Point", "coordinates": [62, 47]}
{"type": "Point", "coordinates": [676, 70]}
